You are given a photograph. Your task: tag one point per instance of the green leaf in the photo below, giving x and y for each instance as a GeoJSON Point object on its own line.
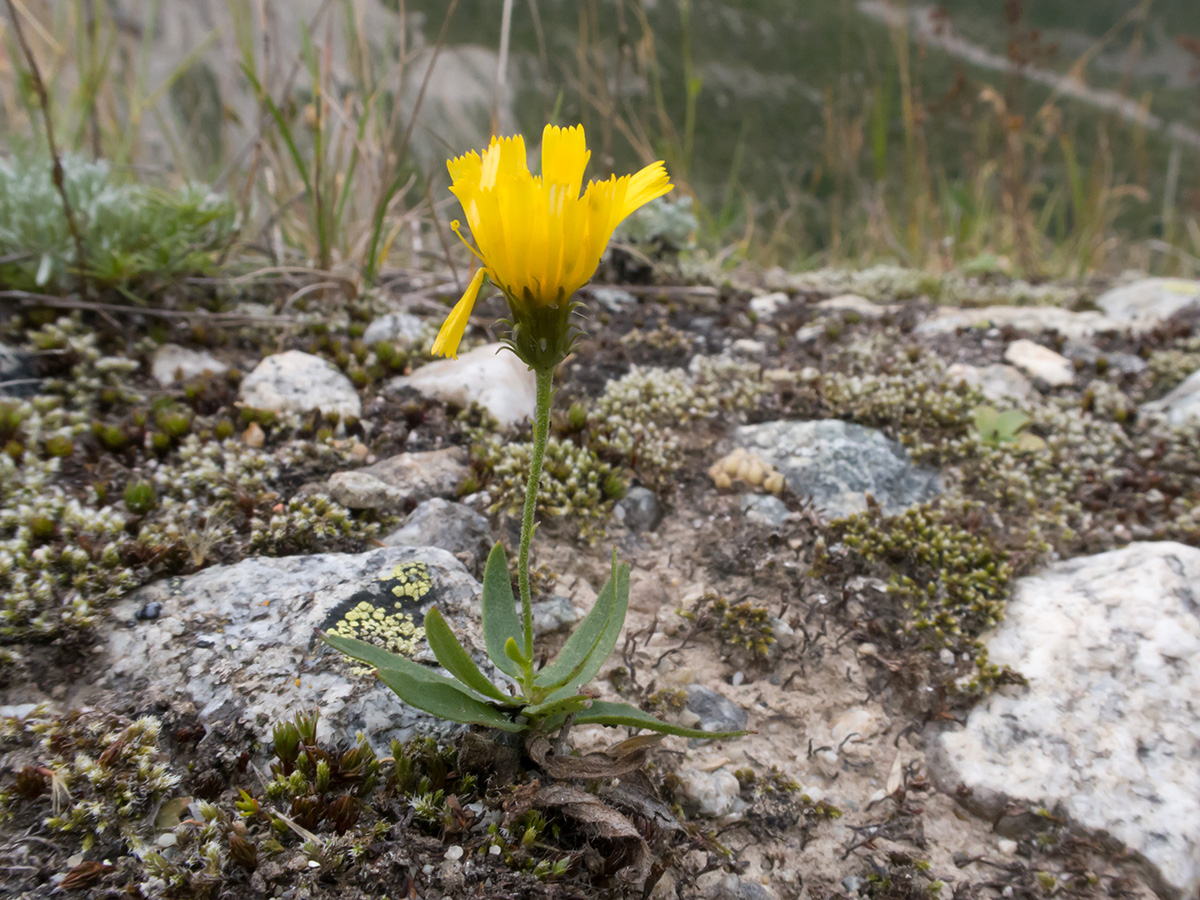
{"type": "Point", "coordinates": [457, 661]}
{"type": "Point", "coordinates": [1008, 423]}
{"type": "Point", "coordinates": [603, 648]}
{"type": "Point", "coordinates": [560, 706]}
{"type": "Point", "coordinates": [583, 640]}
{"type": "Point", "coordinates": [499, 612]}
{"type": "Point", "coordinates": [445, 701]}
{"type": "Point", "coordinates": [603, 712]}
{"type": "Point", "coordinates": [378, 658]}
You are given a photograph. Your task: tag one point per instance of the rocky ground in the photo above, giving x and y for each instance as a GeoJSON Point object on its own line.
{"type": "Point", "coordinates": [935, 542]}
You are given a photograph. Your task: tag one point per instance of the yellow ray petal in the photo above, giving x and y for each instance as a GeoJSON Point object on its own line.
{"type": "Point", "coordinates": [450, 335]}
{"type": "Point", "coordinates": [564, 157]}
{"type": "Point", "coordinates": [648, 184]}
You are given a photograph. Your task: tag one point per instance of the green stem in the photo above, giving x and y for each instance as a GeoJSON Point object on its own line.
{"type": "Point", "coordinates": [541, 428]}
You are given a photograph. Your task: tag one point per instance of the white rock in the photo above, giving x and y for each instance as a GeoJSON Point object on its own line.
{"type": "Point", "coordinates": [1075, 325]}
{"type": "Point", "coordinates": [1149, 301]}
{"type": "Point", "coordinates": [856, 304]}
{"type": "Point", "coordinates": [809, 333]}
{"type": "Point", "coordinates": [302, 383]}
{"type": "Point", "coordinates": [767, 306]}
{"type": "Point", "coordinates": [171, 359]}
{"type": "Point", "coordinates": [490, 375]}
{"type": "Point", "coordinates": [714, 794]}
{"type": "Point", "coordinates": [401, 327]}
{"type": "Point", "coordinates": [996, 382]}
{"type": "Point", "coordinates": [1182, 405]}
{"type": "Point", "coordinates": [1040, 362]}
{"type": "Point", "coordinates": [1108, 727]}
{"type": "Point", "coordinates": [749, 347]}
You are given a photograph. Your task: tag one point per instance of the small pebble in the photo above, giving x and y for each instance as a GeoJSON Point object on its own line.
{"type": "Point", "coordinates": [1007, 846]}
{"type": "Point", "coordinates": [427, 869]}
{"type": "Point", "coordinates": [494, 850]}
{"type": "Point", "coordinates": [738, 677]}
{"type": "Point", "coordinates": [149, 612]}
{"type": "Point", "coordinates": [454, 853]}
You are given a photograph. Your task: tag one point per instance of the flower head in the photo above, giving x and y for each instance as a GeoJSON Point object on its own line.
{"type": "Point", "coordinates": [539, 238]}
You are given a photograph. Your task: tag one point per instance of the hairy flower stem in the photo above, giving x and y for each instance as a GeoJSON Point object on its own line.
{"type": "Point", "coordinates": [541, 428]}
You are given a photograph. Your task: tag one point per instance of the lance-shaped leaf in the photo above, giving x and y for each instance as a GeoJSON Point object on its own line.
{"type": "Point", "coordinates": [603, 712]}
{"type": "Point", "coordinates": [446, 702]}
{"type": "Point", "coordinates": [499, 612]}
{"type": "Point", "coordinates": [378, 658]}
{"type": "Point", "coordinates": [590, 664]}
{"type": "Point", "coordinates": [457, 661]}
{"type": "Point", "coordinates": [566, 669]}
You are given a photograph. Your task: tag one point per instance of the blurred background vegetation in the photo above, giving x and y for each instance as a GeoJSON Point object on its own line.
{"type": "Point", "coordinates": [1045, 138]}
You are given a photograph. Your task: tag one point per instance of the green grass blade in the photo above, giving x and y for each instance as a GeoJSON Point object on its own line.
{"type": "Point", "coordinates": [284, 130]}
{"type": "Point", "coordinates": [499, 611]}
{"type": "Point", "coordinates": [457, 661]}
{"type": "Point", "coordinates": [603, 712]}
{"type": "Point", "coordinates": [445, 701]}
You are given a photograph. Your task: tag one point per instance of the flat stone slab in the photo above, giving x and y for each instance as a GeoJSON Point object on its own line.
{"type": "Point", "coordinates": [237, 641]}
{"type": "Point", "coordinates": [838, 463]}
{"type": "Point", "coordinates": [1108, 730]}
{"type": "Point", "coordinates": [1148, 301]}
{"type": "Point", "coordinates": [1074, 325]}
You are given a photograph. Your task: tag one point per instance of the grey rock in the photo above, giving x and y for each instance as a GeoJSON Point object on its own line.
{"type": "Point", "coordinates": [17, 375]}
{"type": "Point", "coordinates": [301, 383]}
{"type": "Point", "coordinates": [419, 476]}
{"type": "Point", "coordinates": [360, 490]}
{"type": "Point", "coordinates": [717, 713]}
{"type": "Point", "coordinates": [1040, 362]}
{"type": "Point", "coordinates": [638, 510]}
{"type": "Point", "coordinates": [1077, 325]}
{"type": "Point", "coordinates": [726, 886]}
{"type": "Point", "coordinates": [837, 464]}
{"type": "Point", "coordinates": [454, 527]}
{"type": "Point", "coordinates": [613, 299]}
{"type": "Point", "coordinates": [553, 614]}
{"type": "Point", "coordinates": [172, 360]}
{"type": "Point", "coordinates": [401, 328]}
{"type": "Point", "coordinates": [237, 641]}
{"type": "Point", "coordinates": [1108, 728]}
{"type": "Point", "coordinates": [1118, 363]}
{"type": "Point", "coordinates": [765, 510]}
{"type": "Point", "coordinates": [1182, 405]}
{"type": "Point", "coordinates": [998, 383]}
{"type": "Point", "coordinates": [491, 376]}
{"type": "Point", "coordinates": [1149, 301]}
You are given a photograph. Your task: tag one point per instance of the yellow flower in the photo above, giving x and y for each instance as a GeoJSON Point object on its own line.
{"type": "Point", "coordinates": [538, 238]}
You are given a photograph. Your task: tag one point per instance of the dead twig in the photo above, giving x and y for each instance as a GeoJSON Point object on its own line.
{"type": "Point", "coordinates": [59, 179]}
